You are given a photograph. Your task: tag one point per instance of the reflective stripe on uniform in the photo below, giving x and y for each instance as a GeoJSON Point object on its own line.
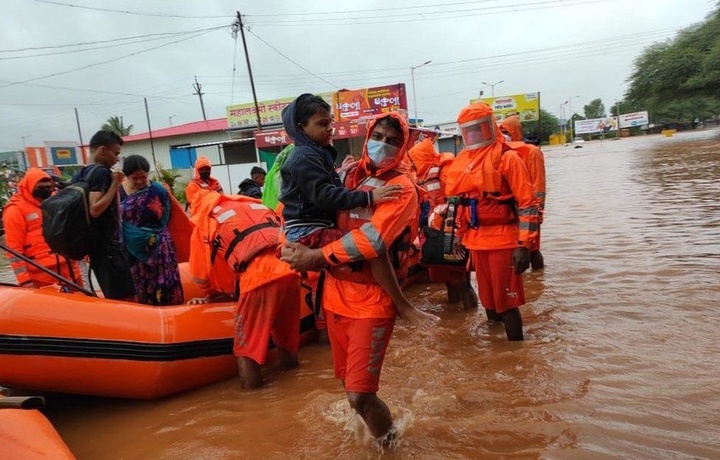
{"type": "Point", "coordinates": [529, 226]}
{"type": "Point", "coordinates": [350, 247]}
{"type": "Point", "coordinates": [533, 211]}
{"type": "Point", "coordinates": [373, 235]}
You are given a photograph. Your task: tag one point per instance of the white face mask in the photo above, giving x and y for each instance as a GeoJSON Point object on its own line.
{"type": "Point", "coordinates": [380, 153]}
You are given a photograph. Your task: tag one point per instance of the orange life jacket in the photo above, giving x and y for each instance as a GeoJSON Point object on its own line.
{"type": "Point", "coordinates": [432, 185]}
{"type": "Point", "coordinates": [489, 208]}
{"type": "Point", "coordinates": [34, 248]}
{"type": "Point", "coordinates": [243, 231]}
{"type": "Point", "coordinates": [352, 219]}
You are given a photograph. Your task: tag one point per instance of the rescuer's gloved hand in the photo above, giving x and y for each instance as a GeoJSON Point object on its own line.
{"type": "Point", "coordinates": [521, 259]}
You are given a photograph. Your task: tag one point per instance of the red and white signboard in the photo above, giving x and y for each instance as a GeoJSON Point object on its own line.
{"type": "Point", "coordinates": [630, 120]}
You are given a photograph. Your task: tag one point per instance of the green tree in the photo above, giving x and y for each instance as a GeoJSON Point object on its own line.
{"type": "Point", "coordinates": [549, 124]}
{"type": "Point", "coordinates": [116, 125]}
{"type": "Point", "coordinates": [595, 109]}
{"type": "Point", "coordinates": [678, 80]}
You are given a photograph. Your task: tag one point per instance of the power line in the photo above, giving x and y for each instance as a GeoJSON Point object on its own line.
{"type": "Point", "coordinates": [441, 14]}
{"type": "Point", "coordinates": [374, 10]}
{"type": "Point", "coordinates": [290, 59]}
{"type": "Point", "coordinates": [134, 13]}
{"type": "Point", "coordinates": [114, 45]}
{"type": "Point", "coordinates": [399, 72]}
{"type": "Point", "coordinates": [114, 59]}
{"type": "Point", "coordinates": [68, 45]}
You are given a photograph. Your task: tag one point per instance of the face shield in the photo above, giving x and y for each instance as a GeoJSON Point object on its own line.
{"type": "Point", "coordinates": [478, 133]}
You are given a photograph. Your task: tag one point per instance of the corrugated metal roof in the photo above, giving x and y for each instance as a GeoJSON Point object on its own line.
{"type": "Point", "coordinates": [217, 124]}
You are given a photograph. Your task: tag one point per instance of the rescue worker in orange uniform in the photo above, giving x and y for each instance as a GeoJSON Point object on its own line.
{"type": "Point", "coordinates": [201, 181]}
{"type": "Point", "coordinates": [430, 167]}
{"type": "Point", "coordinates": [22, 218]}
{"type": "Point", "coordinates": [236, 237]}
{"type": "Point", "coordinates": [360, 315]}
{"type": "Point", "coordinates": [498, 215]}
{"type": "Point", "coordinates": [535, 162]}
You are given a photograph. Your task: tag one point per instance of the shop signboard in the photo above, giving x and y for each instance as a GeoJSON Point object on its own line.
{"type": "Point", "coordinates": [596, 125]}
{"type": "Point", "coordinates": [363, 104]}
{"type": "Point", "coordinates": [526, 106]}
{"type": "Point", "coordinates": [629, 120]}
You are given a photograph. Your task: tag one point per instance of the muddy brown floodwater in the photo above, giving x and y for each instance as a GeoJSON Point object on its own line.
{"type": "Point", "coordinates": [621, 358]}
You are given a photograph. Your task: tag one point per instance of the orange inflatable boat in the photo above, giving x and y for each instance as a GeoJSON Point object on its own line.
{"type": "Point", "coordinates": [27, 435]}
{"type": "Point", "coordinates": [71, 343]}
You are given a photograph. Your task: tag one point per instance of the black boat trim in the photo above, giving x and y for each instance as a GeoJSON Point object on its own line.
{"type": "Point", "coordinates": [118, 349]}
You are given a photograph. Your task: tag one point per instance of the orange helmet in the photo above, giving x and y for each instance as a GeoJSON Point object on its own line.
{"type": "Point", "coordinates": [477, 126]}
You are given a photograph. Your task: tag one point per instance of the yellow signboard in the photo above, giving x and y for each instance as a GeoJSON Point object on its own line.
{"type": "Point", "coordinates": [526, 106]}
{"type": "Point", "coordinates": [243, 115]}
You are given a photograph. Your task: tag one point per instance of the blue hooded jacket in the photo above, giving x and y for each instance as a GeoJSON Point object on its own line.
{"type": "Point", "coordinates": [311, 190]}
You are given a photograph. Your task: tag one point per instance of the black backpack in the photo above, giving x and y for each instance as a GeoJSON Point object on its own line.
{"type": "Point", "coordinates": [66, 218]}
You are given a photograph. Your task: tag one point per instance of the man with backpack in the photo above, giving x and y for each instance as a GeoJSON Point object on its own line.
{"type": "Point", "coordinates": [108, 259]}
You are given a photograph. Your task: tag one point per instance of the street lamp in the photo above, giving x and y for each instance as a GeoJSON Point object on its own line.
{"type": "Point", "coordinates": [412, 73]}
{"type": "Point", "coordinates": [170, 118]}
{"type": "Point", "coordinates": [562, 119]}
{"type": "Point", "coordinates": [492, 86]}
{"type": "Point", "coordinates": [572, 123]}
{"type": "Point", "coordinates": [23, 140]}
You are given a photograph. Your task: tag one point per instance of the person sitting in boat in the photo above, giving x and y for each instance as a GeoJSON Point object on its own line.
{"type": "Point", "coordinates": [22, 219]}
{"type": "Point", "coordinates": [252, 187]}
{"type": "Point", "coordinates": [202, 181]}
{"type": "Point", "coordinates": [151, 250]}
{"type": "Point", "coordinates": [235, 238]}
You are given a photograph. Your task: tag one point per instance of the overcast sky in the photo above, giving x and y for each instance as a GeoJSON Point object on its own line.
{"type": "Point", "coordinates": [561, 48]}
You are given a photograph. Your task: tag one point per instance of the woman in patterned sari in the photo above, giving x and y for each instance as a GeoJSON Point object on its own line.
{"type": "Point", "coordinates": [145, 214]}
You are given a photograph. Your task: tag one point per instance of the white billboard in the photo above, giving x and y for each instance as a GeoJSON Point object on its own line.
{"type": "Point", "coordinates": [629, 120]}
{"type": "Point", "coordinates": [596, 125]}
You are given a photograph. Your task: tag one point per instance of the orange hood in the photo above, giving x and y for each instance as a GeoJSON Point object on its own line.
{"type": "Point", "coordinates": [476, 170]}
{"type": "Point", "coordinates": [364, 169]}
{"type": "Point", "coordinates": [201, 162]}
{"type": "Point", "coordinates": [28, 183]}
{"type": "Point", "coordinates": [513, 127]}
{"type": "Point", "coordinates": [423, 156]}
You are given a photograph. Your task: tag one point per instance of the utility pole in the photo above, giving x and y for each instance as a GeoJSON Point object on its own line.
{"type": "Point", "coordinates": [77, 120]}
{"type": "Point", "coordinates": [198, 90]}
{"type": "Point", "coordinates": [239, 25]}
{"type": "Point", "coordinates": [152, 146]}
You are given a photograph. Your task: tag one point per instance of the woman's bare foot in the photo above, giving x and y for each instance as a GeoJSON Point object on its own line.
{"type": "Point", "coordinates": [417, 317]}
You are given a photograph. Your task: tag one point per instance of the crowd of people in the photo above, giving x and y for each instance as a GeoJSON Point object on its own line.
{"type": "Point", "coordinates": [348, 232]}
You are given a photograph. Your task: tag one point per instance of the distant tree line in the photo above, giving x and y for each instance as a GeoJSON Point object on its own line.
{"type": "Point", "coordinates": [678, 81]}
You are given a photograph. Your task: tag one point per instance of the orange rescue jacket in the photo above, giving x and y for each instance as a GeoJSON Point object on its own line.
{"type": "Point", "coordinates": [376, 234]}
{"type": "Point", "coordinates": [230, 235]}
{"type": "Point", "coordinates": [500, 209]}
{"type": "Point", "coordinates": [428, 166]}
{"type": "Point", "coordinates": [22, 219]}
{"type": "Point", "coordinates": [535, 163]}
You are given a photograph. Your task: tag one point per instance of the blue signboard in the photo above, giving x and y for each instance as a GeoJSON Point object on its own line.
{"type": "Point", "coordinates": [64, 156]}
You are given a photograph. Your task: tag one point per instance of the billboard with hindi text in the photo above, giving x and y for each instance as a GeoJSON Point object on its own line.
{"type": "Point", "coordinates": [596, 125]}
{"type": "Point", "coordinates": [363, 104]}
{"type": "Point", "coordinates": [243, 115]}
{"type": "Point", "coordinates": [629, 120]}
{"type": "Point", "coordinates": [526, 106]}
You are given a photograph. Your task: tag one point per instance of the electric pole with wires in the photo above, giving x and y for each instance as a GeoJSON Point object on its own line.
{"type": "Point", "coordinates": [239, 27]}
{"type": "Point", "coordinates": [198, 90]}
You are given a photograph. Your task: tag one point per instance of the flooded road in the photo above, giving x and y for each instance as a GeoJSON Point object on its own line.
{"type": "Point", "coordinates": [620, 358]}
